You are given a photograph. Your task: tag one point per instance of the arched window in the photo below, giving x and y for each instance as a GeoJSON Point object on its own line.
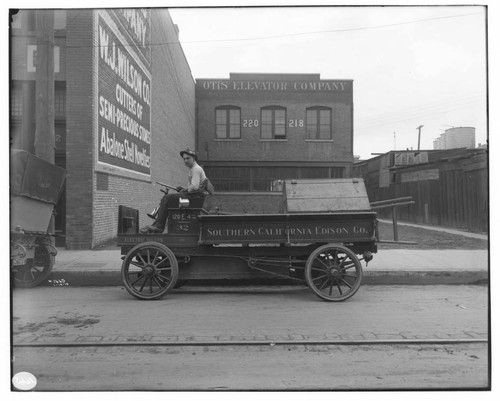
{"type": "Point", "coordinates": [227, 122]}
{"type": "Point", "coordinates": [273, 122]}
{"type": "Point", "coordinates": [319, 122]}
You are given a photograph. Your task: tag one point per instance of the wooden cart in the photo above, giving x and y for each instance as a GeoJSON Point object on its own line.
{"type": "Point", "coordinates": [35, 187]}
{"type": "Point", "coordinates": [326, 228]}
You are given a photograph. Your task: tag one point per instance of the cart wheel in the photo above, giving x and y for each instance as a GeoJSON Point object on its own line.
{"type": "Point", "coordinates": [36, 270]}
{"type": "Point", "coordinates": [333, 272]}
{"type": "Point", "coordinates": [149, 270]}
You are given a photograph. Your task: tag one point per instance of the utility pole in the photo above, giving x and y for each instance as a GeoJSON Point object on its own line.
{"type": "Point", "coordinates": [44, 104]}
{"type": "Point", "coordinates": [419, 130]}
{"type": "Point", "coordinates": [44, 92]}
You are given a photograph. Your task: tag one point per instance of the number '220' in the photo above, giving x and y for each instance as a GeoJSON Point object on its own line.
{"type": "Point", "coordinates": [250, 123]}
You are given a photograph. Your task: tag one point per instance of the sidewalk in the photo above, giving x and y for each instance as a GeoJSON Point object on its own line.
{"type": "Point", "coordinates": [442, 229]}
{"type": "Point", "coordinates": [394, 266]}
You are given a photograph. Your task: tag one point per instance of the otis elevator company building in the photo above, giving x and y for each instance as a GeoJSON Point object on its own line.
{"type": "Point", "coordinates": [254, 130]}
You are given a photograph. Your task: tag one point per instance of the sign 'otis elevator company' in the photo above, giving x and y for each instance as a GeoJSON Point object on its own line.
{"type": "Point", "coordinates": [317, 86]}
{"type": "Point", "coordinates": [123, 102]}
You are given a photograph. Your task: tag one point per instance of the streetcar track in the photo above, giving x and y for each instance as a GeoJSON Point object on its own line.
{"type": "Point", "coordinates": [254, 343]}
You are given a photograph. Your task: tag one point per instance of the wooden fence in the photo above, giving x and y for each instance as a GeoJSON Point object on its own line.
{"type": "Point", "coordinates": [449, 193]}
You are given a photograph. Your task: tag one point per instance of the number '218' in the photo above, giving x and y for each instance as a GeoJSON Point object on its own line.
{"type": "Point", "coordinates": [295, 123]}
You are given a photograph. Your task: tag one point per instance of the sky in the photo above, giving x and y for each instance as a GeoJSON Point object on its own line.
{"type": "Point", "coordinates": [411, 65]}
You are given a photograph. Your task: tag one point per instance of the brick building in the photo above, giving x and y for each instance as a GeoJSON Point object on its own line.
{"type": "Point", "coordinates": [123, 109]}
{"type": "Point", "coordinates": [254, 130]}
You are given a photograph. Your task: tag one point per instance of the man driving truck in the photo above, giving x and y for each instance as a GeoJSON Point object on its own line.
{"type": "Point", "coordinates": [197, 188]}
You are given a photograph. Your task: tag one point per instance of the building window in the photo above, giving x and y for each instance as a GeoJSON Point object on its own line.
{"type": "Point", "coordinates": [28, 20]}
{"type": "Point", "coordinates": [60, 101]}
{"type": "Point", "coordinates": [273, 122]}
{"type": "Point", "coordinates": [228, 122]}
{"type": "Point", "coordinates": [319, 123]}
{"type": "Point", "coordinates": [16, 101]}
{"type": "Point", "coordinates": [265, 179]}
{"type": "Point", "coordinates": [60, 19]}
{"type": "Point", "coordinates": [230, 179]}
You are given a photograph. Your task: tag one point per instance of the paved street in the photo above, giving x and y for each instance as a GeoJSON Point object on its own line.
{"type": "Point", "coordinates": [292, 367]}
{"type": "Point", "coordinates": [252, 338]}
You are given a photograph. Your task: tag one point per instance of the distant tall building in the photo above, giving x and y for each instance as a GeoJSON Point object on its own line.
{"type": "Point", "coordinates": [457, 137]}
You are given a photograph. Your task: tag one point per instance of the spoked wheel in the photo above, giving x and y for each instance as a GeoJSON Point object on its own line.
{"type": "Point", "coordinates": [333, 272]}
{"type": "Point", "coordinates": [149, 270]}
{"type": "Point", "coordinates": [36, 270]}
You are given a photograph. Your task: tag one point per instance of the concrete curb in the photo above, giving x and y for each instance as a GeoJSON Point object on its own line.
{"type": "Point", "coordinates": [106, 278]}
{"type": "Point", "coordinates": [426, 278]}
{"type": "Point", "coordinates": [389, 267]}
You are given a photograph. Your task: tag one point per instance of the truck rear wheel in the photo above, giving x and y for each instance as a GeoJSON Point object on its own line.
{"type": "Point", "coordinates": [333, 272]}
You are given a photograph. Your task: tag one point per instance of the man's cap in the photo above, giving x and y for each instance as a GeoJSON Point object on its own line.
{"type": "Point", "coordinates": [189, 152]}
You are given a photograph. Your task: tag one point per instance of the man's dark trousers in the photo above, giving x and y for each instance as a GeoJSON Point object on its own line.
{"type": "Point", "coordinates": [161, 218]}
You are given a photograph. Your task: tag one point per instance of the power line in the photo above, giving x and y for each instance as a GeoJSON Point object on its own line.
{"type": "Point", "coordinates": [439, 107]}
{"type": "Point", "coordinates": [330, 31]}
{"type": "Point", "coordinates": [291, 34]}
{"type": "Point", "coordinates": [364, 126]}
{"type": "Point", "coordinates": [398, 119]}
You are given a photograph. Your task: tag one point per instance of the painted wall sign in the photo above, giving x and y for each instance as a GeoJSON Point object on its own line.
{"type": "Point", "coordinates": [136, 26]}
{"type": "Point", "coordinates": [422, 175]}
{"type": "Point", "coordinates": [293, 232]}
{"type": "Point", "coordinates": [123, 102]}
{"type": "Point", "coordinates": [280, 86]}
